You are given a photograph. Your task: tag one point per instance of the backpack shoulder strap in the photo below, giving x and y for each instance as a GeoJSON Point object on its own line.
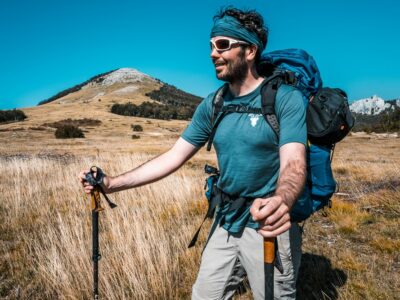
{"type": "Point", "coordinates": [269, 90]}
{"type": "Point", "coordinates": [217, 104]}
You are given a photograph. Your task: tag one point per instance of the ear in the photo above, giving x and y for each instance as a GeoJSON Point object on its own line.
{"type": "Point", "coordinates": [251, 52]}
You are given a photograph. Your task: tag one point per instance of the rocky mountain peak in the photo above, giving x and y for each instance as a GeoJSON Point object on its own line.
{"type": "Point", "coordinates": [123, 75]}
{"type": "Point", "coordinates": [373, 105]}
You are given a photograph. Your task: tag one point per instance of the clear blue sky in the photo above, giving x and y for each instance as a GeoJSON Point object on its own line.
{"type": "Point", "coordinates": [49, 45]}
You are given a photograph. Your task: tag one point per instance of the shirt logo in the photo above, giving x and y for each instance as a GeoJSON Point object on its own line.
{"type": "Point", "coordinates": [253, 119]}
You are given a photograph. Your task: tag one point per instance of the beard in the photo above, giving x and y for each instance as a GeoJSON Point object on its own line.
{"type": "Point", "coordinates": [235, 71]}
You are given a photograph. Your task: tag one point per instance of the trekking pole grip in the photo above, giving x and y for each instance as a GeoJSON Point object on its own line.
{"type": "Point", "coordinates": [269, 250]}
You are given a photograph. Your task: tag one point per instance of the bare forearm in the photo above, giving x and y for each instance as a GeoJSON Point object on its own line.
{"type": "Point", "coordinates": [273, 213]}
{"type": "Point", "coordinates": [154, 169]}
{"type": "Point", "coordinates": [151, 171]}
{"type": "Point", "coordinates": [291, 181]}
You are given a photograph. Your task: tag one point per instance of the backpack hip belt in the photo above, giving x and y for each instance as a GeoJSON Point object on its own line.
{"type": "Point", "coordinates": [219, 198]}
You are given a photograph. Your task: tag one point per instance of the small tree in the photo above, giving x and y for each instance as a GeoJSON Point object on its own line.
{"type": "Point", "coordinates": [137, 127]}
{"type": "Point", "coordinates": [69, 132]}
{"type": "Point", "coordinates": [12, 115]}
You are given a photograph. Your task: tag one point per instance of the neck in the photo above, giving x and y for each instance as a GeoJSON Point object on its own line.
{"type": "Point", "coordinates": [247, 85]}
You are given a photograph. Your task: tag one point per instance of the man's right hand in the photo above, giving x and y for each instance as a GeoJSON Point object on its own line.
{"type": "Point", "coordinates": [89, 188]}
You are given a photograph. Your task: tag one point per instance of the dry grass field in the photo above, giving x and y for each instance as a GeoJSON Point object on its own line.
{"type": "Point", "coordinates": [45, 229]}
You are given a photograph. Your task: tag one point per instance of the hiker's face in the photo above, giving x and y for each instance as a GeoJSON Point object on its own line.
{"type": "Point", "coordinates": [230, 65]}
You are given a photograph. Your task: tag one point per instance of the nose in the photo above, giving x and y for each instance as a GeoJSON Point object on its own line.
{"type": "Point", "coordinates": [214, 53]}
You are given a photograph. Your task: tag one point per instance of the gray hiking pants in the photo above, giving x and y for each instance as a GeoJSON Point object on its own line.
{"type": "Point", "coordinates": [225, 256]}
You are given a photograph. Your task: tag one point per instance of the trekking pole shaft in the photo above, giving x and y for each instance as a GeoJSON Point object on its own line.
{"type": "Point", "coordinates": [269, 258]}
{"type": "Point", "coordinates": [95, 252]}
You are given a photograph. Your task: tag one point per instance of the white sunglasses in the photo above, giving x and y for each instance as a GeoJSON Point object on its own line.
{"type": "Point", "coordinates": [224, 44]}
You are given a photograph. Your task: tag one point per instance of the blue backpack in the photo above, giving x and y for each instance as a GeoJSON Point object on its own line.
{"type": "Point", "coordinates": [328, 120]}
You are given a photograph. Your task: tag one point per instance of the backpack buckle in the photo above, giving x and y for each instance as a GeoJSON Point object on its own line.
{"type": "Point", "coordinates": [243, 108]}
{"type": "Point", "coordinates": [211, 170]}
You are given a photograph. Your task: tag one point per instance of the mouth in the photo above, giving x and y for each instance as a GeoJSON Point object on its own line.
{"type": "Point", "coordinates": [219, 65]}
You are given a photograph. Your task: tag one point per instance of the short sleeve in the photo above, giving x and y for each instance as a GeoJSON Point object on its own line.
{"type": "Point", "coordinates": [199, 129]}
{"type": "Point", "coordinates": [291, 112]}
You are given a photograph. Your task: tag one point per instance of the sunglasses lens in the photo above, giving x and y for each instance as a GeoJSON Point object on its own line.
{"type": "Point", "coordinates": [222, 44]}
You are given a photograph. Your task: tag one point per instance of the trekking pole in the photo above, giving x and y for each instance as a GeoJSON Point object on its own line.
{"type": "Point", "coordinates": [269, 258]}
{"type": "Point", "coordinates": [96, 207]}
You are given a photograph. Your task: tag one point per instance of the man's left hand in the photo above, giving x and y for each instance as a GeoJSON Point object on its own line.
{"type": "Point", "coordinates": [272, 214]}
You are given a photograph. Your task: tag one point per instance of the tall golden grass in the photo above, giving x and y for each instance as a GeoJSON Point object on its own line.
{"type": "Point", "coordinates": [46, 233]}
{"type": "Point", "coordinates": [45, 230]}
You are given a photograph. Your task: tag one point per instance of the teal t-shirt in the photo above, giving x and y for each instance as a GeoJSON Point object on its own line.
{"type": "Point", "coordinates": [247, 147]}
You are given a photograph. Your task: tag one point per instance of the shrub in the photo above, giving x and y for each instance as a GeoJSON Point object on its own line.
{"type": "Point", "coordinates": [69, 132]}
{"type": "Point", "coordinates": [135, 137]}
{"type": "Point", "coordinates": [73, 122]}
{"type": "Point", "coordinates": [367, 129]}
{"type": "Point", "coordinates": [154, 111]}
{"type": "Point", "coordinates": [137, 127]}
{"type": "Point", "coordinates": [171, 95]}
{"type": "Point", "coordinates": [13, 115]}
{"type": "Point", "coordinates": [172, 103]}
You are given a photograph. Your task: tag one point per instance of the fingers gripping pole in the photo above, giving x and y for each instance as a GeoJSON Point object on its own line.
{"type": "Point", "coordinates": [269, 259]}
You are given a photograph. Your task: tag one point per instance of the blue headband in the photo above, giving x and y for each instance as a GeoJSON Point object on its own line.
{"type": "Point", "coordinates": [230, 27]}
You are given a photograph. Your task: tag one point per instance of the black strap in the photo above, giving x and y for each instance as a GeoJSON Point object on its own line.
{"type": "Point", "coordinates": [270, 118]}
{"type": "Point", "coordinates": [332, 152]}
{"type": "Point", "coordinates": [218, 101]}
{"type": "Point", "coordinates": [96, 181]}
{"type": "Point", "coordinates": [241, 109]}
{"type": "Point", "coordinates": [214, 129]}
{"type": "Point", "coordinates": [268, 95]}
{"type": "Point", "coordinates": [218, 198]}
{"type": "Point", "coordinates": [110, 203]}
{"type": "Point", "coordinates": [225, 110]}
{"type": "Point", "coordinates": [278, 260]}
{"type": "Point", "coordinates": [217, 104]}
{"type": "Point", "coordinates": [210, 214]}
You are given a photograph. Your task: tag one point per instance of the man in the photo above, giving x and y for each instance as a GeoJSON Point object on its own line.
{"type": "Point", "coordinates": [254, 163]}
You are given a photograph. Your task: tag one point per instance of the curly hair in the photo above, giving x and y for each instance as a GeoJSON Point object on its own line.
{"type": "Point", "coordinates": [250, 19]}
